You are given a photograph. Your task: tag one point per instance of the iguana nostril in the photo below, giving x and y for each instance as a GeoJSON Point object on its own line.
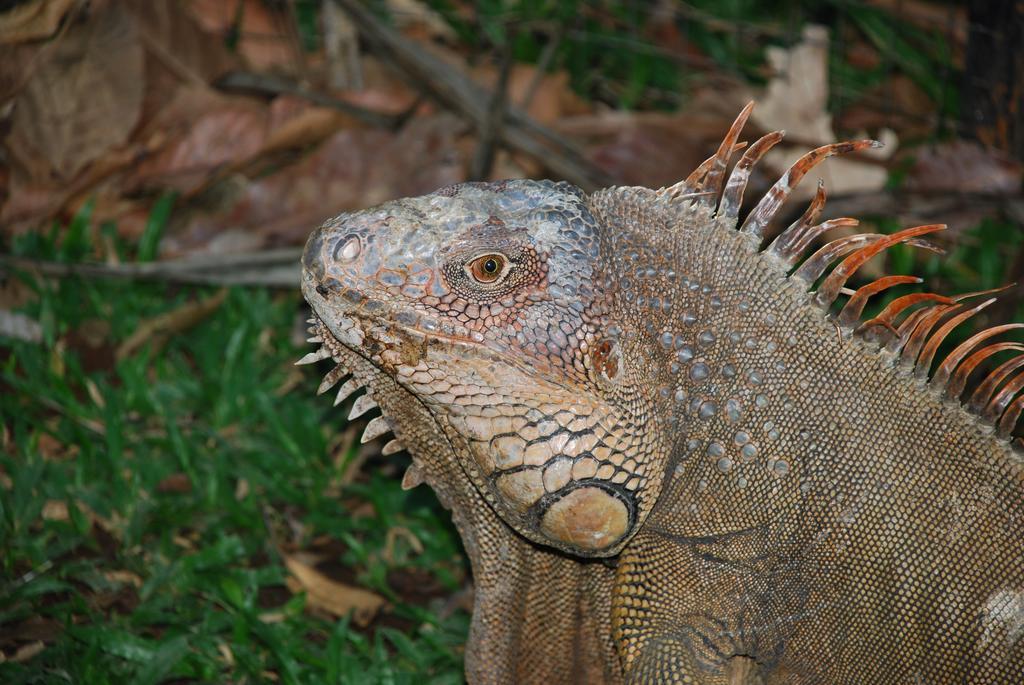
{"type": "Point", "coordinates": [347, 249]}
{"type": "Point", "coordinates": [322, 290]}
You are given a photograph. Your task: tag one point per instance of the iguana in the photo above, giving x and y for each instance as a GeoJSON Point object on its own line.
{"type": "Point", "coordinates": [666, 446]}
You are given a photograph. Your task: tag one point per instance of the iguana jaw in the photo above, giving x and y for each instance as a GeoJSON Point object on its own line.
{"type": "Point", "coordinates": [584, 515]}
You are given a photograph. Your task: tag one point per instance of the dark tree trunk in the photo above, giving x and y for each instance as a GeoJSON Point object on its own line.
{"type": "Point", "coordinates": [992, 109]}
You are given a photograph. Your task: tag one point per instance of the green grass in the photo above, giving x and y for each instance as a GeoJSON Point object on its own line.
{"type": "Point", "coordinates": [146, 503]}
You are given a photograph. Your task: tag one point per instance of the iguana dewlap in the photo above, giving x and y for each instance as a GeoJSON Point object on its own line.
{"type": "Point", "coordinates": [666, 446]}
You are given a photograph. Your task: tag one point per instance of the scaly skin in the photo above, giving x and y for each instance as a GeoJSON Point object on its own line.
{"type": "Point", "coordinates": [660, 450]}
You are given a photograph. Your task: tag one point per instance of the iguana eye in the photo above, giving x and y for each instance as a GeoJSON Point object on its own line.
{"type": "Point", "coordinates": [487, 268]}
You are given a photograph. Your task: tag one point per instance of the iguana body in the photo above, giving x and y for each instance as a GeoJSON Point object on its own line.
{"type": "Point", "coordinates": [660, 449]}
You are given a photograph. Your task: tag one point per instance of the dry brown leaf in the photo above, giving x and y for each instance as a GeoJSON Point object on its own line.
{"type": "Point", "coordinates": [83, 99]}
{"type": "Point", "coordinates": [796, 97]}
{"type": "Point", "coordinates": [176, 483]}
{"type": "Point", "coordinates": [415, 14]}
{"type": "Point", "coordinates": [32, 20]}
{"type": "Point", "coordinates": [351, 170]}
{"type": "Point", "coordinates": [55, 510]}
{"type": "Point", "coordinates": [272, 616]}
{"type": "Point", "coordinates": [796, 101]}
{"type": "Point", "coordinates": [226, 654]}
{"type": "Point", "coordinates": [551, 99]}
{"type": "Point", "coordinates": [961, 166]}
{"type": "Point", "coordinates": [199, 132]}
{"type": "Point", "coordinates": [26, 652]}
{"type": "Point", "coordinates": [295, 123]}
{"type": "Point", "coordinates": [123, 577]}
{"type": "Point", "coordinates": [338, 599]}
{"type": "Point", "coordinates": [183, 542]}
{"type": "Point", "coordinates": [178, 45]}
{"type": "Point", "coordinates": [52, 449]}
{"type": "Point", "coordinates": [264, 39]}
{"type": "Point", "coordinates": [176, 321]}
{"type": "Point", "coordinates": [382, 90]}
{"type": "Point", "coordinates": [650, 151]}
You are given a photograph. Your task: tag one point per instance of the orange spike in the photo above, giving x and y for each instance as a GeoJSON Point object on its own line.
{"type": "Point", "coordinates": [923, 330]}
{"type": "Point", "coordinates": [893, 309]}
{"type": "Point", "coordinates": [998, 404]}
{"type": "Point", "coordinates": [732, 196]}
{"type": "Point", "coordinates": [854, 307]}
{"type": "Point", "coordinates": [783, 243]}
{"type": "Point", "coordinates": [985, 391]}
{"type": "Point", "coordinates": [981, 293]}
{"type": "Point", "coordinates": [811, 234]}
{"type": "Point", "coordinates": [829, 290]}
{"type": "Point", "coordinates": [910, 326]}
{"type": "Point", "coordinates": [954, 357]}
{"type": "Point", "coordinates": [924, 360]}
{"type": "Point", "coordinates": [899, 335]}
{"type": "Point", "coordinates": [765, 211]}
{"type": "Point", "coordinates": [959, 379]}
{"type": "Point", "coordinates": [716, 175]}
{"type": "Point", "coordinates": [695, 181]}
{"type": "Point", "coordinates": [816, 264]}
{"type": "Point", "coordinates": [1010, 418]}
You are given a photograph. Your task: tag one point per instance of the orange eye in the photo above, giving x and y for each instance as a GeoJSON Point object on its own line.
{"type": "Point", "coordinates": [487, 268]}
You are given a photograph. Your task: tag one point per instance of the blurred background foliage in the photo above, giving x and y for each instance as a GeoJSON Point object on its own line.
{"type": "Point", "coordinates": [176, 503]}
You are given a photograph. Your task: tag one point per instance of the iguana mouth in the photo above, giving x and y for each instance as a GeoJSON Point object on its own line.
{"type": "Point", "coordinates": [331, 347]}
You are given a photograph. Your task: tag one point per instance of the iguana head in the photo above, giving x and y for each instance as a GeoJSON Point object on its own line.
{"type": "Point", "coordinates": [488, 305]}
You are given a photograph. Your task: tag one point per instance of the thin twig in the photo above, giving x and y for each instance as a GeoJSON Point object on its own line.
{"type": "Point", "coordinates": [490, 131]}
{"type": "Point", "coordinates": [543, 63]}
{"type": "Point", "coordinates": [272, 268]}
{"type": "Point", "coordinates": [274, 85]}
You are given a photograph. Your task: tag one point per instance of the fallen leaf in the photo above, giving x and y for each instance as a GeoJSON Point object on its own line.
{"type": "Point", "coordinates": [294, 123]}
{"type": "Point", "coordinates": [20, 327]}
{"type": "Point", "coordinates": [26, 652]}
{"type": "Point", "coordinates": [382, 90]}
{"type": "Point", "coordinates": [176, 321]}
{"type": "Point", "coordinates": [795, 101]}
{"type": "Point", "coordinates": [550, 96]}
{"type": "Point", "coordinates": [338, 599]}
{"type": "Point", "coordinates": [796, 97]}
{"type": "Point", "coordinates": [264, 39]}
{"type": "Point", "coordinates": [55, 510]}
{"type": "Point", "coordinates": [226, 654]}
{"type": "Point", "coordinates": [648, 151]}
{"type": "Point", "coordinates": [179, 46]}
{"type": "Point", "coordinates": [84, 96]}
{"type": "Point", "coordinates": [203, 132]}
{"type": "Point", "coordinates": [32, 20]}
{"type": "Point", "coordinates": [123, 577]}
{"type": "Point", "coordinates": [962, 166]}
{"type": "Point", "coordinates": [415, 14]}
{"type": "Point", "coordinates": [351, 170]}
{"type": "Point", "coordinates": [52, 449]}
{"type": "Point", "coordinates": [272, 616]}
{"type": "Point", "coordinates": [176, 483]}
